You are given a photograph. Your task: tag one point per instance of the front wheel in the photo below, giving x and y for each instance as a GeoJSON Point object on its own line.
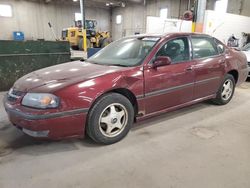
{"type": "Point", "coordinates": [110, 118]}
{"type": "Point", "coordinates": [226, 90]}
{"type": "Point", "coordinates": [80, 45]}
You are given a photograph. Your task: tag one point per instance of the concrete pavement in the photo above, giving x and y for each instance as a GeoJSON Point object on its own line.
{"type": "Point", "coordinates": [203, 145]}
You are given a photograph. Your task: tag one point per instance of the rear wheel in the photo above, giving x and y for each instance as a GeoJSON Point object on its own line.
{"type": "Point", "coordinates": [226, 90]}
{"type": "Point", "coordinates": [110, 118]}
{"type": "Point", "coordinates": [104, 42]}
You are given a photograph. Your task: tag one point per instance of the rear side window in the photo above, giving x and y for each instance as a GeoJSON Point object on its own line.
{"type": "Point", "coordinates": [220, 46]}
{"type": "Point", "coordinates": [246, 47]}
{"type": "Point", "coordinates": [203, 47]}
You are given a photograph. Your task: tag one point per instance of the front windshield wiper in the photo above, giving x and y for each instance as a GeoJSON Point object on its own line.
{"type": "Point", "coordinates": [93, 62]}
{"type": "Point", "coordinates": [119, 65]}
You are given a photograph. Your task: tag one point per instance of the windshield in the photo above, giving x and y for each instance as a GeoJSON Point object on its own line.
{"type": "Point", "coordinates": [246, 47]}
{"type": "Point", "coordinates": [125, 52]}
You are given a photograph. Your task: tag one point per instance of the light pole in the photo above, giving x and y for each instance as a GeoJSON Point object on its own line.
{"type": "Point", "coordinates": [82, 7]}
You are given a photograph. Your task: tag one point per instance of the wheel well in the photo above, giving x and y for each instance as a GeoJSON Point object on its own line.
{"type": "Point", "coordinates": [131, 97]}
{"type": "Point", "coordinates": [235, 74]}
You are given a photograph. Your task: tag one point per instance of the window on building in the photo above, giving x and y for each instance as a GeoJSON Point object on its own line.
{"type": "Point", "coordinates": [118, 19]}
{"type": "Point", "coordinates": [5, 10]}
{"type": "Point", "coordinates": [221, 6]}
{"type": "Point", "coordinates": [78, 16]}
{"type": "Point", "coordinates": [164, 13]}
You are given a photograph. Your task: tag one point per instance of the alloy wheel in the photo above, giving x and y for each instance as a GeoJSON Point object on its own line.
{"type": "Point", "coordinates": [113, 120]}
{"type": "Point", "coordinates": [227, 90]}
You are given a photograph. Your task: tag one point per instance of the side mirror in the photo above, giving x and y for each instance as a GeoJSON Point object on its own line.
{"type": "Point", "coordinates": [161, 61]}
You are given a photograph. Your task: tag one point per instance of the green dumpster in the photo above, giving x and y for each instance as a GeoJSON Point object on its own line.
{"type": "Point", "coordinates": [19, 58]}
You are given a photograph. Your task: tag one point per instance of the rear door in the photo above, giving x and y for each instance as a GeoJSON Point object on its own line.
{"type": "Point", "coordinates": [170, 85]}
{"type": "Point", "coordinates": [209, 67]}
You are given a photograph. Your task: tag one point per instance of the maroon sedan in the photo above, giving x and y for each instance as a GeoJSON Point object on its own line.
{"type": "Point", "coordinates": [131, 79]}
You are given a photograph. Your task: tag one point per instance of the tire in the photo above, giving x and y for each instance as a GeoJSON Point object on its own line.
{"type": "Point", "coordinates": [80, 45]}
{"type": "Point", "coordinates": [74, 47]}
{"type": "Point", "coordinates": [225, 92]}
{"type": "Point", "coordinates": [110, 118]}
{"type": "Point", "coordinates": [104, 42]}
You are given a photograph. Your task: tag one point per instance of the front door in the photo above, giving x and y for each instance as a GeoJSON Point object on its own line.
{"type": "Point", "coordinates": [173, 84]}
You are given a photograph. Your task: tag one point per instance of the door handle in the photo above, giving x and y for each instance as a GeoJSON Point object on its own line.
{"type": "Point", "coordinates": [189, 68]}
{"type": "Point", "coordinates": [222, 61]}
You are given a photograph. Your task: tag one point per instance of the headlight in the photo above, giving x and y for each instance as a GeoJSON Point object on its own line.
{"type": "Point", "coordinates": [40, 100]}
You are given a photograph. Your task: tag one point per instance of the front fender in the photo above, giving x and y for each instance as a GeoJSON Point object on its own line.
{"type": "Point", "coordinates": [83, 94]}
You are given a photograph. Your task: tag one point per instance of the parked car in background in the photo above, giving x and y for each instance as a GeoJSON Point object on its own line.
{"type": "Point", "coordinates": [131, 79]}
{"type": "Point", "coordinates": [246, 51]}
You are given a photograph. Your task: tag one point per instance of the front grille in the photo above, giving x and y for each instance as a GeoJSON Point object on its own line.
{"type": "Point", "coordinates": [248, 64]}
{"type": "Point", "coordinates": [11, 99]}
{"type": "Point", "coordinates": [17, 93]}
{"type": "Point", "coordinates": [13, 95]}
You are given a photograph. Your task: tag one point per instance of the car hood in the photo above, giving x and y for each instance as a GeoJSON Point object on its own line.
{"type": "Point", "coordinates": [59, 76]}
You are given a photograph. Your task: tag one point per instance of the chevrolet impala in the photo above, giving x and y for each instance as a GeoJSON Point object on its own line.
{"type": "Point", "coordinates": [131, 79]}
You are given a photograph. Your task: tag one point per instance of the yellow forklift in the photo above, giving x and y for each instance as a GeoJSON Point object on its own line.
{"type": "Point", "coordinates": [94, 38]}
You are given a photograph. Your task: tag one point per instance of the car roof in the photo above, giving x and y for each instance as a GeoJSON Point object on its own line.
{"type": "Point", "coordinates": [172, 34]}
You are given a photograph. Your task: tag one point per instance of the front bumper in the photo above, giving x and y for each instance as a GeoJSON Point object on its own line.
{"type": "Point", "coordinates": [56, 125]}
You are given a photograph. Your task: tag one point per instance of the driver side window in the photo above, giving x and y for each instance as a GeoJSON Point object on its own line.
{"type": "Point", "coordinates": [176, 49]}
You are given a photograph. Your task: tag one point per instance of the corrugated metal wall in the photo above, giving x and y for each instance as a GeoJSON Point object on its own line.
{"type": "Point", "coordinates": [135, 15]}
{"type": "Point", "coordinates": [32, 18]}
